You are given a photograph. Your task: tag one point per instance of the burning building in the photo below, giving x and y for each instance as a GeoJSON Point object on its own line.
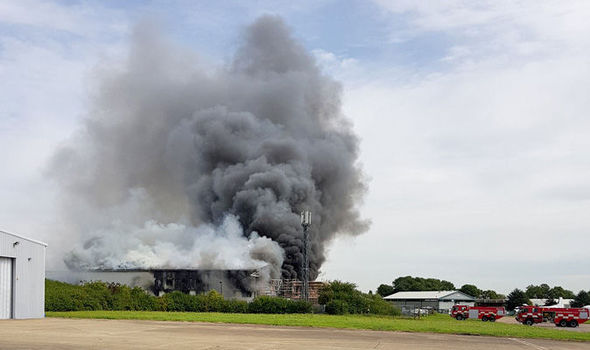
{"type": "Point", "coordinates": [232, 284]}
{"type": "Point", "coordinates": [241, 284]}
{"type": "Point", "coordinates": [179, 168]}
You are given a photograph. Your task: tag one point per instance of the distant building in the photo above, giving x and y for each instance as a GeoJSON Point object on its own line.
{"type": "Point", "coordinates": [561, 302]}
{"type": "Point", "coordinates": [440, 301]}
{"type": "Point", "coordinates": [22, 277]}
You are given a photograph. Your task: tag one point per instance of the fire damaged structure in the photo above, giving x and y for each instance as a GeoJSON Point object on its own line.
{"type": "Point", "coordinates": [293, 289]}
{"type": "Point", "coordinates": [229, 283]}
{"type": "Point", "coordinates": [244, 284]}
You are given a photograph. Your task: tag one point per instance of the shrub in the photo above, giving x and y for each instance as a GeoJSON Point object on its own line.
{"type": "Point", "coordinates": [267, 305]}
{"type": "Point", "coordinates": [142, 301]}
{"type": "Point", "coordinates": [236, 306]}
{"type": "Point", "coordinates": [378, 306]}
{"type": "Point", "coordinates": [98, 296]}
{"type": "Point", "coordinates": [298, 307]}
{"type": "Point", "coordinates": [178, 301]}
{"type": "Point", "coordinates": [214, 302]}
{"type": "Point", "coordinates": [336, 307]}
{"type": "Point", "coordinates": [61, 296]}
{"type": "Point", "coordinates": [121, 297]}
{"type": "Point", "coordinates": [275, 305]}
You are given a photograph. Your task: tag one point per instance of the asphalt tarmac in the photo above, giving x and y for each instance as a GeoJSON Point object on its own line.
{"type": "Point", "coordinates": [57, 333]}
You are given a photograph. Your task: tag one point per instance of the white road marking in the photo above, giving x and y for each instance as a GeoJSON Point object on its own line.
{"type": "Point", "coordinates": [524, 342]}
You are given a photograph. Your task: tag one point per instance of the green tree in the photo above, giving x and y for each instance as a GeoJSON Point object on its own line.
{"type": "Point", "coordinates": [544, 290]}
{"type": "Point", "coordinates": [343, 298]}
{"type": "Point", "coordinates": [446, 285]}
{"type": "Point", "coordinates": [409, 283]}
{"type": "Point", "coordinates": [385, 290]}
{"type": "Point", "coordinates": [538, 292]}
{"type": "Point", "coordinates": [406, 283]}
{"type": "Point", "coordinates": [491, 294]}
{"type": "Point", "coordinates": [470, 289]}
{"type": "Point", "coordinates": [582, 299]}
{"type": "Point", "coordinates": [558, 292]}
{"type": "Point", "coordinates": [516, 298]}
{"type": "Point", "coordinates": [568, 294]}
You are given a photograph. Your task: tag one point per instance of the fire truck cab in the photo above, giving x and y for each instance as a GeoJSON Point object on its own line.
{"type": "Point", "coordinates": [561, 317]}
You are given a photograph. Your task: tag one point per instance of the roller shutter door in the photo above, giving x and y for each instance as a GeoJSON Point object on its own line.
{"type": "Point", "coordinates": [5, 288]}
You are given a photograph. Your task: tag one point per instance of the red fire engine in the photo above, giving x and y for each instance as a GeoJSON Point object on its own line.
{"type": "Point", "coordinates": [484, 313]}
{"type": "Point", "coordinates": [562, 317]}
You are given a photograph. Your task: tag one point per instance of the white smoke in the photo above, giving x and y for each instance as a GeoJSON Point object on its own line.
{"type": "Point", "coordinates": [155, 245]}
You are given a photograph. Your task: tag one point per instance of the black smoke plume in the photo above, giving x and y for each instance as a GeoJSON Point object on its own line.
{"type": "Point", "coordinates": [182, 165]}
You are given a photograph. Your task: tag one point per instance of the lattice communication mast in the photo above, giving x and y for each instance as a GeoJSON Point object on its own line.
{"type": "Point", "coordinates": [306, 223]}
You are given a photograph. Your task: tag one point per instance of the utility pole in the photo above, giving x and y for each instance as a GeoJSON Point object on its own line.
{"type": "Point", "coordinates": [305, 222]}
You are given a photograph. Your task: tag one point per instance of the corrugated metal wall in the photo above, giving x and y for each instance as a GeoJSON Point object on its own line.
{"type": "Point", "coordinates": [28, 274]}
{"type": "Point", "coordinates": [5, 288]}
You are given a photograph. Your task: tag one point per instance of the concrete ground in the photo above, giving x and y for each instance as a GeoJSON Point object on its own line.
{"type": "Point", "coordinates": [57, 333]}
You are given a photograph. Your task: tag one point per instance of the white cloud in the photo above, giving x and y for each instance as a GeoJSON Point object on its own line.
{"type": "Point", "coordinates": [339, 67]}
{"type": "Point", "coordinates": [42, 98]}
{"type": "Point", "coordinates": [506, 29]}
{"type": "Point", "coordinates": [86, 19]}
{"type": "Point", "coordinates": [479, 167]}
{"type": "Point", "coordinates": [488, 153]}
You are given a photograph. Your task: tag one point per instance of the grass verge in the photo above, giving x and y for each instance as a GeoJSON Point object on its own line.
{"type": "Point", "coordinates": [431, 324]}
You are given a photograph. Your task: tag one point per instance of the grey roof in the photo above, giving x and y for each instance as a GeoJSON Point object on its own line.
{"type": "Point", "coordinates": [440, 295]}
{"type": "Point", "coordinates": [25, 238]}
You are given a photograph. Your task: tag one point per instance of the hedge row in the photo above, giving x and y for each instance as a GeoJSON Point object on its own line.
{"type": "Point", "coordinates": [61, 296]}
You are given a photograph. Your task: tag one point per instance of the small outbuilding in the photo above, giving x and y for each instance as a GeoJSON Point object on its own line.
{"type": "Point", "coordinates": [440, 301]}
{"type": "Point", "coordinates": [22, 277]}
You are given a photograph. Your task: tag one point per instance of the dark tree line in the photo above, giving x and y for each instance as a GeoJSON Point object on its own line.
{"type": "Point", "coordinates": [475, 292]}
{"type": "Point", "coordinates": [409, 283]}
{"type": "Point", "coordinates": [582, 299]}
{"type": "Point", "coordinates": [543, 291]}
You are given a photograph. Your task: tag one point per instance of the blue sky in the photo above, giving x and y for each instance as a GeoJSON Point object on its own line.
{"type": "Point", "coordinates": [473, 118]}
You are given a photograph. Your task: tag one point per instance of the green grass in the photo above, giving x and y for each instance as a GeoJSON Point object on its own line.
{"type": "Point", "coordinates": [432, 324]}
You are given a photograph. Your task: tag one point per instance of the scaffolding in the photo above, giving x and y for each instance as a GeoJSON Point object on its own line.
{"type": "Point", "coordinates": [293, 289]}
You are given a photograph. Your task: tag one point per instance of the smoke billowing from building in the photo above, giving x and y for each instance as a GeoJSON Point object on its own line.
{"type": "Point", "coordinates": [182, 166]}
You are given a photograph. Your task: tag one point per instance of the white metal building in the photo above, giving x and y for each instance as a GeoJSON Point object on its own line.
{"type": "Point", "coordinates": [22, 277]}
{"type": "Point", "coordinates": [441, 301]}
{"type": "Point", "coordinates": [561, 302]}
